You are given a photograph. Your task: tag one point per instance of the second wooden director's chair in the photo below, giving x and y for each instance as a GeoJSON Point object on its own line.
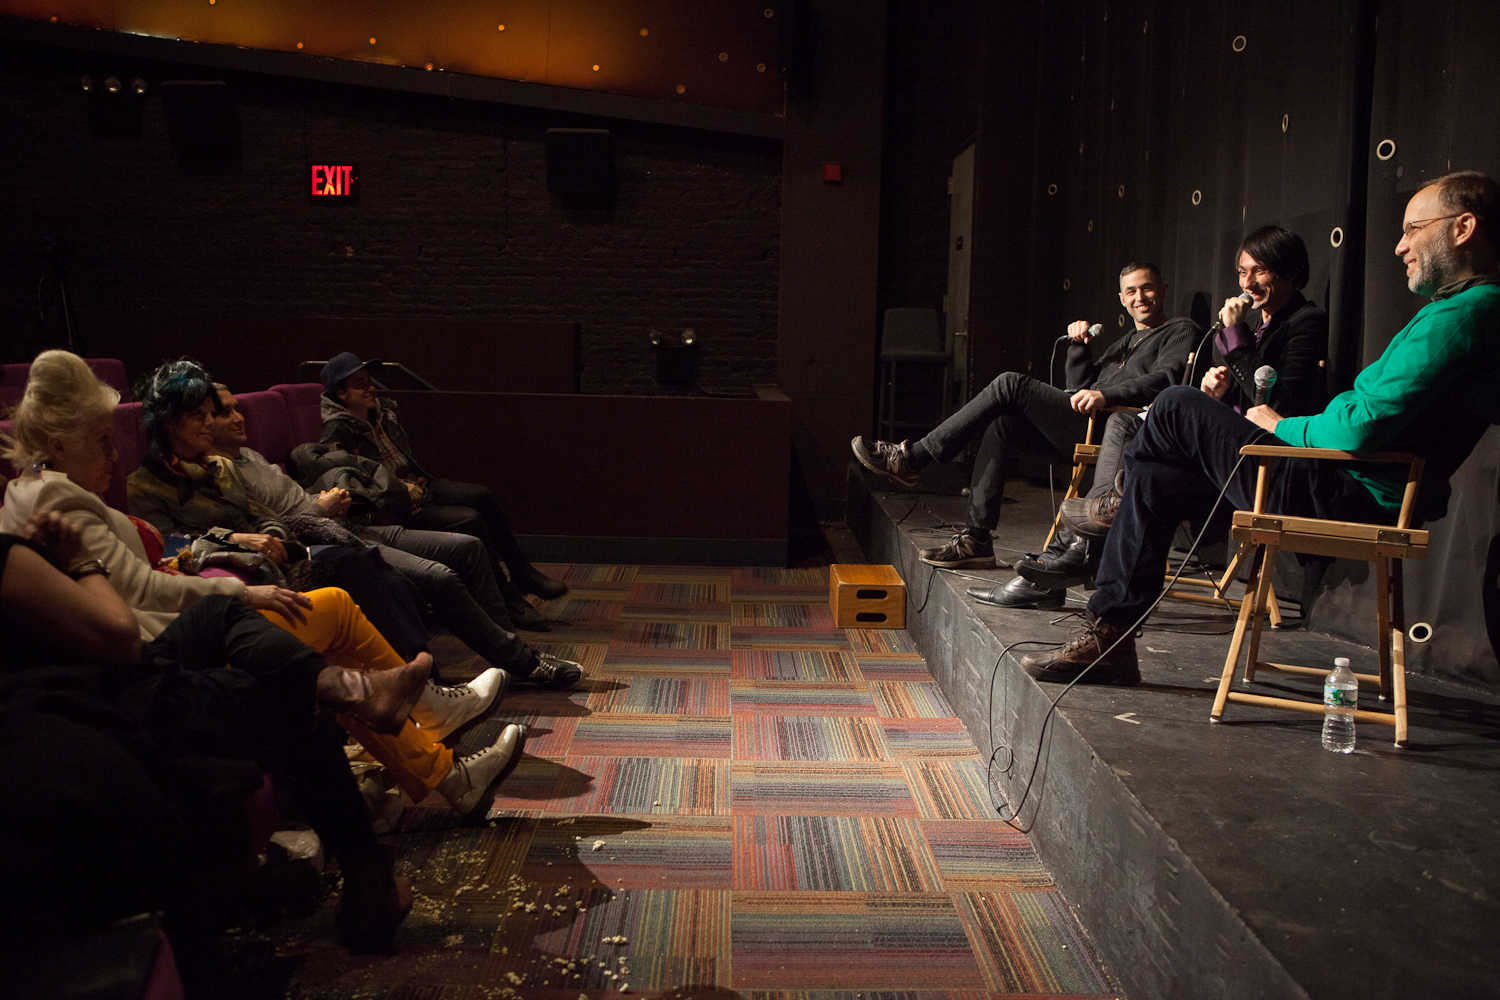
{"type": "Point", "coordinates": [1381, 544]}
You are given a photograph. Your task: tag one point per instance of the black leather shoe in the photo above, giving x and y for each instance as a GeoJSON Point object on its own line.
{"type": "Point", "coordinates": [525, 615]}
{"type": "Point", "coordinates": [1019, 593]}
{"type": "Point", "coordinates": [1070, 569]}
{"type": "Point", "coordinates": [533, 581]}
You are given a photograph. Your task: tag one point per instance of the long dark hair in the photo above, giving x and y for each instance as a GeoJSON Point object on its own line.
{"type": "Point", "coordinates": [173, 390]}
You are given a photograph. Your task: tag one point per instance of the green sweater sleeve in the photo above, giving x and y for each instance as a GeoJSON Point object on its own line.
{"type": "Point", "coordinates": [1420, 363]}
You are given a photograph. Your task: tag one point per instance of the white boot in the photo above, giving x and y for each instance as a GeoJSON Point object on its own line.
{"type": "Point", "coordinates": [443, 708]}
{"type": "Point", "coordinates": [471, 778]}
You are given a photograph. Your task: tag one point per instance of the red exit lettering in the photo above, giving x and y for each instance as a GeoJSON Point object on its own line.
{"type": "Point", "coordinates": [333, 180]}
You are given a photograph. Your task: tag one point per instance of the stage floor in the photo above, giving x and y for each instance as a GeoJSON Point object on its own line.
{"type": "Point", "coordinates": [1217, 860]}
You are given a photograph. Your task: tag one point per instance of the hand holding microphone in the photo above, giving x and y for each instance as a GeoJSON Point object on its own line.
{"type": "Point", "coordinates": [1234, 309]}
{"type": "Point", "coordinates": [1081, 332]}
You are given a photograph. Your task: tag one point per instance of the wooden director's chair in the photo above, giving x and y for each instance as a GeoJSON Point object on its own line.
{"type": "Point", "coordinates": [1085, 454]}
{"type": "Point", "coordinates": [1383, 545]}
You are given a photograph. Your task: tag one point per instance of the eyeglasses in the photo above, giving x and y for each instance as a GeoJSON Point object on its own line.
{"type": "Point", "coordinates": [1412, 227]}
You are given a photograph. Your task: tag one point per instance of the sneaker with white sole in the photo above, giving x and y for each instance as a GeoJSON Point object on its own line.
{"type": "Point", "coordinates": [963, 549]}
{"type": "Point", "coordinates": [887, 458]}
{"type": "Point", "coordinates": [554, 672]}
{"type": "Point", "coordinates": [443, 708]}
{"type": "Point", "coordinates": [468, 783]}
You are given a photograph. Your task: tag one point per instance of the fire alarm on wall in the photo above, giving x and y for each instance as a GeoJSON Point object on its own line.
{"type": "Point", "coordinates": [833, 173]}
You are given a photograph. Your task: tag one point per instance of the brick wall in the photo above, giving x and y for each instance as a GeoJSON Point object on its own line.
{"type": "Point", "coordinates": [454, 221]}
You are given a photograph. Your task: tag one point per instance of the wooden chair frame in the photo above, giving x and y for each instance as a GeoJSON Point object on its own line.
{"type": "Point", "coordinates": [1377, 543]}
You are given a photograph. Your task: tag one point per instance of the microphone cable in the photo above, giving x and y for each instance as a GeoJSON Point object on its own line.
{"type": "Point", "coordinates": [1014, 821]}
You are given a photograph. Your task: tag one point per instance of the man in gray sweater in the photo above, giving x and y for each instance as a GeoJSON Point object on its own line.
{"type": "Point", "coordinates": [451, 571]}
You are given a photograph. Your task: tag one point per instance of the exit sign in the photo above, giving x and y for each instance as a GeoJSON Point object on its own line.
{"type": "Point", "coordinates": [334, 182]}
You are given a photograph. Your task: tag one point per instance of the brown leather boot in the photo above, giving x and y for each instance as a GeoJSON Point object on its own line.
{"type": "Point", "coordinates": [381, 699]}
{"type": "Point", "coordinates": [373, 901]}
{"type": "Point", "coordinates": [1119, 665]}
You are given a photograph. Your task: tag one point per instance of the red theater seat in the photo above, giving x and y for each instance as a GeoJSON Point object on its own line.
{"type": "Point", "coordinates": [268, 425]}
{"type": "Point", "coordinates": [303, 409]}
{"type": "Point", "coordinates": [110, 371]}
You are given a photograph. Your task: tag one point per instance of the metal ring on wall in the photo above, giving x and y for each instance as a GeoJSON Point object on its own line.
{"type": "Point", "coordinates": [1336, 238]}
{"type": "Point", "coordinates": [1420, 632]}
{"type": "Point", "coordinates": [1120, 320]}
{"type": "Point", "coordinates": [1386, 149]}
{"type": "Point", "coordinates": [1238, 44]}
{"type": "Point", "coordinates": [1066, 284]}
{"type": "Point", "coordinates": [1091, 225]}
{"type": "Point", "coordinates": [1122, 190]}
{"type": "Point", "coordinates": [1052, 189]}
{"type": "Point", "coordinates": [1197, 197]}
{"type": "Point", "coordinates": [1285, 121]}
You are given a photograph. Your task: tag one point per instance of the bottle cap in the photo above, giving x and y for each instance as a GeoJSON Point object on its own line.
{"type": "Point", "coordinates": [1341, 661]}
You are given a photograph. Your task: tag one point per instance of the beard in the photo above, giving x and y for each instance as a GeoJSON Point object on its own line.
{"type": "Point", "coordinates": [1437, 264]}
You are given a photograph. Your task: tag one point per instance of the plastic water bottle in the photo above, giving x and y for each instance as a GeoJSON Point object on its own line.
{"type": "Point", "coordinates": [1340, 697]}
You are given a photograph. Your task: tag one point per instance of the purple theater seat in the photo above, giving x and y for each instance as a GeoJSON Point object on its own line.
{"type": "Point", "coordinates": [130, 442]}
{"type": "Point", "coordinates": [304, 410]}
{"type": "Point", "coordinates": [8, 428]}
{"type": "Point", "coordinates": [13, 384]}
{"type": "Point", "coordinates": [111, 372]}
{"type": "Point", "coordinates": [267, 424]}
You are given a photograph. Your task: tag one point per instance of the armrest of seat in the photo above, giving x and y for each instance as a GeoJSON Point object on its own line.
{"type": "Point", "coordinates": [1265, 452]}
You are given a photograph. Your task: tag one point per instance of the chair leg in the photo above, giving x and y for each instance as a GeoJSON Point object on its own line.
{"type": "Point", "coordinates": [1262, 589]}
{"type": "Point", "coordinates": [1247, 607]}
{"type": "Point", "coordinates": [1072, 491]}
{"type": "Point", "coordinates": [1383, 623]}
{"type": "Point", "coordinates": [1397, 638]}
{"type": "Point", "coordinates": [1273, 608]}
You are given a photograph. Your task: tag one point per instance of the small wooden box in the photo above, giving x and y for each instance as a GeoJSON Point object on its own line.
{"type": "Point", "coordinates": [866, 596]}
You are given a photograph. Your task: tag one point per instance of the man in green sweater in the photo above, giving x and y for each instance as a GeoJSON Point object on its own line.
{"type": "Point", "coordinates": [1433, 392]}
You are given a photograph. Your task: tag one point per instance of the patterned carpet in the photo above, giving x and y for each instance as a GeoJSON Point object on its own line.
{"type": "Point", "coordinates": [740, 799]}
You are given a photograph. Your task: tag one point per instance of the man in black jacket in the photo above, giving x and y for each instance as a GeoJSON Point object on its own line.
{"type": "Point", "coordinates": [1019, 413]}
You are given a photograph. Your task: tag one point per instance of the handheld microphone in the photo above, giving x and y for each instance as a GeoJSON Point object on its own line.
{"type": "Point", "coordinates": [1094, 331]}
{"type": "Point", "coordinates": [1265, 379]}
{"type": "Point", "coordinates": [1219, 323]}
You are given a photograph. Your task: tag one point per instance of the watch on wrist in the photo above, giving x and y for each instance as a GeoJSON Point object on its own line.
{"type": "Point", "coordinates": [88, 567]}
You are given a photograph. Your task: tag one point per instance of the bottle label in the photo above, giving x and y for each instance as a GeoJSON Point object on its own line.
{"type": "Point", "coordinates": [1339, 698]}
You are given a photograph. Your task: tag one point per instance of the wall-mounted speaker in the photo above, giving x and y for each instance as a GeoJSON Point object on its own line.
{"type": "Point", "coordinates": [580, 167]}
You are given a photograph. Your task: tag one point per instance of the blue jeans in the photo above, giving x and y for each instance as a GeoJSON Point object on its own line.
{"type": "Point", "coordinates": [1187, 451]}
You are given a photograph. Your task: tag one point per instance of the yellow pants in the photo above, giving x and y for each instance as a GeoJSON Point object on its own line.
{"type": "Point", "coordinates": [340, 631]}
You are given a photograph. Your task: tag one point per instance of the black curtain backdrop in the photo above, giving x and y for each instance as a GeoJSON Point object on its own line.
{"type": "Point", "coordinates": [1166, 131]}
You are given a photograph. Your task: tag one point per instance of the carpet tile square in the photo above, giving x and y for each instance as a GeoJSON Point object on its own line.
{"type": "Point", "coordinates": [574, 609]}
{"type": "Point", "coordinates": [897, 700]}
{"type": "Point", "coordinates": [881, 640]}
{"type": "Point", "coordinates": [984, 855]}
{"type": "Point", "coordinates": [664, 696]}
{"type": "Point", "coordinates": [793, 665]}
{"type": "Point", "coordinates": [584, 633]}
{"type": "Point", "coordinates": [950, 789]}
{"type": "Point", "coordinates": [1030, 942]}
{"type": "Point", "coordinates": [893, 667]}
{"type": "Point", "coordinates": [621, 735]}
{"type": "Point", "coordinates": [770, 737]}
{"type": "Point", "coordinates": [821, 789]}
{"type": "Point", "coordinates": [684, 574]}
{"type": "Point", "coordinates": [537, 784]}
{"type": "Point", "coordinates": [580, 575]}
{"type": "Point", "coordinates": [850, 941]}
{"type": "Point", "coordinates": [914, 738]}
{"type": "Point", "coordinates": [833, 853]}
{"type": "Point", "coordinates": [623, 852]}
{"type": "Point", "coordinates": [768, 615]}
{"type": "Point", "coordinates": [547, 733]}
{"type": "Point", "coordinates": [765, 637]}
{"type": "Point", "coordinates": [672, 938]}
{"type": "Point", "coordinates": [713, 591]}
{"type": "Point", "coordinates": [799, 698]}
{"type": "Point", "coordinates": [669, 635]}
{"type": "Point", "coordinates": [645, 786]}
{"type": "Point", "coordinates": [634, 661]}
{"type": "Point", "coordinates": [780, 585]}
{"type": "Point", "coordinates": [708, 614]}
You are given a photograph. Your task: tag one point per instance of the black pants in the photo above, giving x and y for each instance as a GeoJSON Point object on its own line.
{"type": "Point", "coordinates": [263, 707]}
{"type": "Point", "coordinates": [1185, 453]}
{"type": "Point", "coordinates": [1016, 414]}
{"type": "Point", "coordinates": [471, 509]}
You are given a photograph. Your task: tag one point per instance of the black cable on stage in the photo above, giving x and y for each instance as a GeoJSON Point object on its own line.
{"type": "Point", "coordinates": [1014, 821]}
